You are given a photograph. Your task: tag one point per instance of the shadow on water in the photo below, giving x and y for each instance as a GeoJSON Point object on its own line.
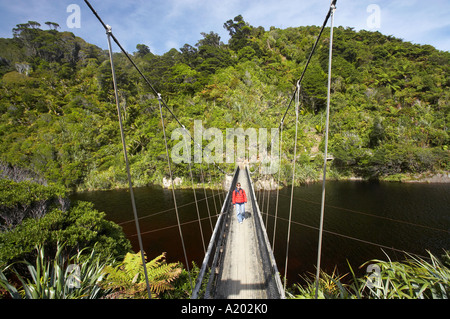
{"type": "Point", "coordinates": [359, 217]}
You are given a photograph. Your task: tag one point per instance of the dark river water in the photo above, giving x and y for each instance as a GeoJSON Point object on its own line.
{"type": "Point", "coordinates": [363, 221]}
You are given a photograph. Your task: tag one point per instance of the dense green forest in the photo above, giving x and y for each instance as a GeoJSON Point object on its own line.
{"type": "Point", "coordinates": [389, 107]}
{"type": "Point", "coordinates": [59, 132]}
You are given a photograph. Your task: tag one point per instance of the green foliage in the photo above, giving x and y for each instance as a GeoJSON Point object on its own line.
{"type": "Point", "coordinates": [55, 279]}
{"type": "Point", "coordinates": [329, 287]}
{"type": "Point", "coordinates": [127, 280]}
{"type": "Point", "coordinates": [43, 219]}
{"type": "Point", "coordinates": [182, 288]}
{"type": "Point", "coordinates": [79, 227]}
{"type": "Point", "coordinates": [22, 200]}
{"type": "Point", "coordinates": [389, 107]}
{"type": "Point", "coordinates": [414, 278]}
{"type": "Point", "coordinates": [12, 193]}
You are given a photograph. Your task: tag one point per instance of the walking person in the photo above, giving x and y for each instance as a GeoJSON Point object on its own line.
{"type": "Point", "coordinates": [239, 200]}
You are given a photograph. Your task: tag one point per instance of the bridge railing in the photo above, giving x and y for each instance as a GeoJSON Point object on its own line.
{"type": "Point", "coordinates": [274, 286]}
{"type": "Point", "coordinates": [213, 255]}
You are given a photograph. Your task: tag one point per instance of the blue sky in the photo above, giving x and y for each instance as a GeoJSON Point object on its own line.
{"type": "Point", "coordinates": [166, 24]}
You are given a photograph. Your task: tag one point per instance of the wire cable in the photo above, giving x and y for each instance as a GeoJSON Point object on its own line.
{"type": "Point", "coordinates": [349, 237]}
{"type": "Point", "coordinates": [162, 211]}
{"type": "Point", "coordinates": [371, 215]}
{"type": "Point", "coordinates": [127, 165]}
{"type": "Point", "coordinates": [173, 192]}
{"type": "Point", "coordinates": [278, 187]}
{"type": "Point", "coordinates": [169, 227]}
{"type": "Point", "coordinates": [327, 121]}
{"type": "Point", "coordinates": [196, 206]}
{"type": "Point", "coordinates": [293, 182]}
{"type": "Point", "coordinates": [140, 72]}
{"type": "Point", "coordinates": [333, 3]}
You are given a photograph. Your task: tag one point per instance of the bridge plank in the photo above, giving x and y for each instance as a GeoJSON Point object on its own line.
{"type": "Point", "coordinates": [242, 276]}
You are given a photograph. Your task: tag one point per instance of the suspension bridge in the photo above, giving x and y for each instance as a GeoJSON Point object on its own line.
{"type": "Point", "coordinates": [239, 256]}
{"type": "Point", "coordinates": [239, 261]}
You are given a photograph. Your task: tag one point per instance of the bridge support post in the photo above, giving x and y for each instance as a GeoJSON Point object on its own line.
{"type": "Point", "coordinates": [133, 204]}
{"type": "Point", "coordinates": [322, 210]}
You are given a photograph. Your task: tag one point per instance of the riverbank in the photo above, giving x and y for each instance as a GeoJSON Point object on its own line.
{"type": "Point", "coordinates": [429, 177]}
{"type": "Point", "coordinates": [271, 183]}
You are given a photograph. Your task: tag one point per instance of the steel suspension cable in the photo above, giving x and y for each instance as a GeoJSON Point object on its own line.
{"type": "Point", "coordinates": [272, 180]}
{"type": "Point", "coordinates": [161, 212]}
{"type": "Point", "coordinates": [296, 96]}
{"type": "Point", "coordinates": [278, 185]}
{"type": "Point", "coordinates": [327, 121]}
{"type": "Point", "coordinates": [264, 195]}
{"type": "Point", "coordinates": [206, 197]}
{"type": "Point", "coordinates": [195, 198]}
{"type": "Point", "coordinates": [202, 176]}
{"type": "Point", "coordinates": [350, 237]}
{"type": "Point", "coordinates": [127, 165]}
{"type": "Point", "coordinates": [212, 189]}
{"type": "Point", "coordinates": [268, 201]}
{"type": "Point", "coordinates": [139, 71]}
{"type": "Point", "coordinates": [196, 206]}
{"type": "Point", "coordinates": [370, 215]}
{"type": "Point", "coordinates": [220, 189]}
{"type": "Point", "coordinates": [171, 226]}
{"type": "Point", "coordinates": [333, 3]}
{"type": "Point", "coordinates": [173, 192]}
{"type": "Point", "coordinates": [260, 182]}
{"type": "Point", "coordinates": [293, 182]}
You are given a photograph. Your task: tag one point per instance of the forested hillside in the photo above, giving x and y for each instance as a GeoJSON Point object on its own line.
{"type": "Point", "coordinates": [389, 108]}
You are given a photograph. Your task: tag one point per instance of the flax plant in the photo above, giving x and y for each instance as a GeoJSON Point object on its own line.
{"type": "Point", "coordinates": [55, 279]}
{"type": "Point", "coordinates": [330, 287]}
{"type": "Point", "coordinates": [414, 278]}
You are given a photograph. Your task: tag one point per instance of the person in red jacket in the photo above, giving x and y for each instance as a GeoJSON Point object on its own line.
{"type": "Point", "coordinates": [239, 200]}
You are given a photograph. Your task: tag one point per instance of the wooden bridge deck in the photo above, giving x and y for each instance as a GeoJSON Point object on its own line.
{"type": "Point", "coordinates": [242, 274]}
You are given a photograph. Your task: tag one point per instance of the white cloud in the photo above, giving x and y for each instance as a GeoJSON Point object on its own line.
{"type": "Point", "coordinates": [171, 44]}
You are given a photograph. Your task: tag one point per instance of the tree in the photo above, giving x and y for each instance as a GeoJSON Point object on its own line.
{"type": "Point", "coordinates": [189, 55]}
{"type": "Point", "coordinates": [211, 59]}
{"type": "Point", "coordinates": [53, 25]}
{"type": "Point", "coordinates": [59, 121]}
{"type": "Point", "coordinates": [211, 39]}
{"type": "Point", "coordinates": [235, 26]}
{"type": "Point", "coordinates": [142, 50]}
{"type": "Point", "coordinates": [239, 31]}
{"type": "Point", "coordinates": [34, 24]}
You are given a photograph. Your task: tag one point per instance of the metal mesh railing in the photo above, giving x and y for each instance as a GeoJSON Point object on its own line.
{"type": "Point", "coordinates": [213, 257]}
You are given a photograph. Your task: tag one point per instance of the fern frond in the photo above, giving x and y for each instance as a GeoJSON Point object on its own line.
{"type": "Point", "coordinates": [128, 281]}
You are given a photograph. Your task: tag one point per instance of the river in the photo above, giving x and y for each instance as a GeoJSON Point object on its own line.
{"type": "Point", "coordinates": [363, 221]}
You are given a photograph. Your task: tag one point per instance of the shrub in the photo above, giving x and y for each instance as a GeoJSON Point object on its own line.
{"type": "Point", "coordinates": [21, 200]}
{"type": "Point", "coordinates": [79, 227]}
